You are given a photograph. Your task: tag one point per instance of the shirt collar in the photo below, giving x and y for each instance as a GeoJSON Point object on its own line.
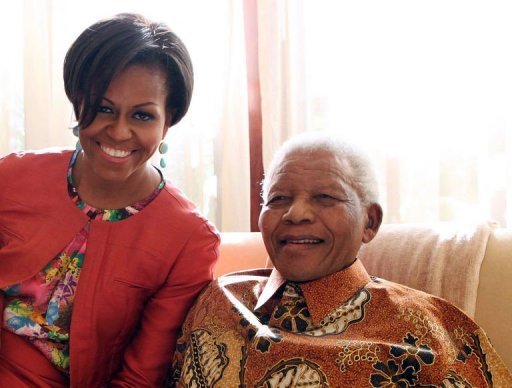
{"type": "Point", "coordinates": [322, 295]}
{"type": "Point", "coordinates": [274, 282]}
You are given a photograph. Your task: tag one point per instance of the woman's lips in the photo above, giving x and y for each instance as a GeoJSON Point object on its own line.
{"type": "Point", "coordinates": [115, 153]}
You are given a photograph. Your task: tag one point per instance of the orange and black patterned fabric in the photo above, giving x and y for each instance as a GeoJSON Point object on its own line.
{"type": "Point", "coordinates": [255, 329]}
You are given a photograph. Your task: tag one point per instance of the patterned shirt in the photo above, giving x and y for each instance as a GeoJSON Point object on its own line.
{"type": "Point", "coordinates": [254, 329]}
{"type": "Point", "coordinates": [39, 309]}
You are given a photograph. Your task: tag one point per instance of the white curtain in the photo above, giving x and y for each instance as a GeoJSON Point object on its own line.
{"type": "Point", "coordinates": [424, 86]}
{"type": "Point", "coordinates": [11, 78]}
{"type": "Point", "coordinates": [284, 102]}
{"type": "Point", "coordinates": [208, 155]}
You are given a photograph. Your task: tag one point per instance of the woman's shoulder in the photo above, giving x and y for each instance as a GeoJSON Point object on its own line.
{"type": "Point", "coordinates": [36, 158]}
{"type": "Point", "coordinates": [172, 206]}
{"type": "Point", "coordinates": [37, 170]}
{"type": "Point", "coordinates": [171, 194]}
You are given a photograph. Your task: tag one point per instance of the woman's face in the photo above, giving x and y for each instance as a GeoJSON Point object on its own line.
{"type": "Point", "coordinates": [130, 123]}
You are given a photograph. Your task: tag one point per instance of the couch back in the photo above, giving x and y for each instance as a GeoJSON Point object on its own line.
{"type": "Point", "coordinates": [492, 302]}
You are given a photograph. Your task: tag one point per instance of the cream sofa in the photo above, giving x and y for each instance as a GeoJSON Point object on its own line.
{"type": "Point", "coordinates": [493, 307]}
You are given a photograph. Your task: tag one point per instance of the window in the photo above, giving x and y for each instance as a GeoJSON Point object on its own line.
{"type": "Point", "coordinates": [425, 86]}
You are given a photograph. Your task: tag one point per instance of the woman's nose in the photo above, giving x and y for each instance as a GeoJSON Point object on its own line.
{"type": "Point", "coordinates": [299, 212]}
{"type": "Point", "coordinates": [119, 129]}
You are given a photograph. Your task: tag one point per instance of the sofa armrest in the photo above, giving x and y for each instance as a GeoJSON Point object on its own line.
{"type": "Point", "coordinates": [494, 300]}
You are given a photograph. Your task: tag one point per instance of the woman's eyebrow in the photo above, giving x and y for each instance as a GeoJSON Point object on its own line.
{"type": "Point", "coordinates": [145, 104]}
{"type": "Point", "coordinates": [109, 101]}
{"type": "Point", "coordinates": [136, 106]}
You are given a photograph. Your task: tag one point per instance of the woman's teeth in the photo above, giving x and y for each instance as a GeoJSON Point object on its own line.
{"type": "Point", "coordinates": [115, 153]}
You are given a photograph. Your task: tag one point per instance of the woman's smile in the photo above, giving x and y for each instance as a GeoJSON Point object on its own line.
{"type": "Point", "coordinates": [115, 153]}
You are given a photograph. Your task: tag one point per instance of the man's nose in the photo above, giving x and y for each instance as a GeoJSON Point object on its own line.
{"type": "Point", "coordinates": [299, 212]}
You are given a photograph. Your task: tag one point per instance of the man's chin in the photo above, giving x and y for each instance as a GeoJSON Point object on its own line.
{"type": "Point", "coordinates": [299, 276]}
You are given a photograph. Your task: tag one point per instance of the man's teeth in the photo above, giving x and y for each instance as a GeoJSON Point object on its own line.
{"type": "Point", "coordinates": [115, 153]}
{"type": "Point", "coordinates": [303, 241]}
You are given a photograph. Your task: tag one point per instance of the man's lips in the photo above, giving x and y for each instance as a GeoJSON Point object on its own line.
{"type": "Point", "coordinates": [300, 240]}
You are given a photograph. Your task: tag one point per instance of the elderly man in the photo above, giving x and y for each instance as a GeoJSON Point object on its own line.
{"type": "Point", "coordinates": [318, 319]}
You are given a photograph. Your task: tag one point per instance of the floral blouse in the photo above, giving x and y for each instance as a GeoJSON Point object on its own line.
{"type": "Point", "coordinates": [40, 308]}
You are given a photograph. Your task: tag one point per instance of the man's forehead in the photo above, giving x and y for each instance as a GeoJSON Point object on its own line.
{"type": "Point", "coordinates": [320, 169]}
{"type": "Point", "coordinates": [319, 160]}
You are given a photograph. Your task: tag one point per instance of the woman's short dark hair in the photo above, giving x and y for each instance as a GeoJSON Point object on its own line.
{"type": "Point", "coordinates": [109, 46]}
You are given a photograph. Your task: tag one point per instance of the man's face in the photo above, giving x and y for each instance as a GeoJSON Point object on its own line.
{"type": "Point", "coordinates": [312, 221]}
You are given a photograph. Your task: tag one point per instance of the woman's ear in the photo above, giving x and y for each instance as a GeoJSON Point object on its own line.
{"type": "Point", "coordinates": [372, 226]}
{"type": "Point", "coordinates": [166, 129]}
{"type": "Point", "coordinates": [168, 119]}
{"type": "Point", "coordinates": [168, 123]}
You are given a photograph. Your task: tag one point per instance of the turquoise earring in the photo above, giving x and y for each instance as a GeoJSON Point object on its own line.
{"type": "Point", "coordinates": [78, 146]}
{"type": "Point", "coordinates": [163, 148]}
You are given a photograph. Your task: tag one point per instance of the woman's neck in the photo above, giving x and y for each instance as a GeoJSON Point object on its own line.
{"type": "Point", "coordinates": [107, 194]}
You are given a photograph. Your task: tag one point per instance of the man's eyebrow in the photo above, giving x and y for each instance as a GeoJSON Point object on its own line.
{"type": "Point", "coordinates": [333, 185]}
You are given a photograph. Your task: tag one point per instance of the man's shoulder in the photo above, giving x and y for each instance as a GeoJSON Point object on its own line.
{"type": "Point", "coordinates": [241, 279]}
{"type": "Point", "coordinates": [244, 275]}
{"type": "Point", "coordinates": [238, 284]}
{"type": "Point", "coordinates": [413, 301]}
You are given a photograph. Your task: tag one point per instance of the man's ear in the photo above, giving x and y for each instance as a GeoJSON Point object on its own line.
{"type": "Point", "coordinates": [374, 212]}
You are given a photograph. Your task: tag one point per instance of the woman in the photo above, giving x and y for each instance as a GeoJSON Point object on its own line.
{"type": "Point", "coordinates": [100, 258]}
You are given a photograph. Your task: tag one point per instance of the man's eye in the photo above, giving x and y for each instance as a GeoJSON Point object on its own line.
{"type": "Point", "coordinates": [326, 198]}
{"type": "Point", "coordinates": [277, 199]}
{"type": "Point", "coordinates": [143, 116]}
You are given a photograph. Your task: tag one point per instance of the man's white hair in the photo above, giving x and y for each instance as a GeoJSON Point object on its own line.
{"type": "Point", "coordinates": [361, 175]}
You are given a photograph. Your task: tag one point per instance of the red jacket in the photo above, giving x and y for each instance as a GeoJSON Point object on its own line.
{"type": "Point", "coordinates": [139, 278]}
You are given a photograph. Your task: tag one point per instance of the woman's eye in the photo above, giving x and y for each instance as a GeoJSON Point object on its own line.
{"type": "Point", "coordinates": [142, 116]}
{"type": "Point", "coordinates": [104, 109]}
